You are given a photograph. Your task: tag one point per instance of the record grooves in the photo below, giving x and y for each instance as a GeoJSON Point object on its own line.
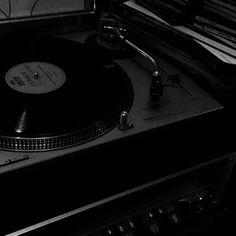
{"type": "Point", "coordinates": [58, 93]}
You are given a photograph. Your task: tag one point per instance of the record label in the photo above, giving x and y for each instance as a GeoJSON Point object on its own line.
{"type": "Point", "coordinates": [35, 77]}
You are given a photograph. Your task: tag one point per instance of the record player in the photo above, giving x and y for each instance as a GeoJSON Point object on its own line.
{"type": "Point", "coordinates": [100, 134]}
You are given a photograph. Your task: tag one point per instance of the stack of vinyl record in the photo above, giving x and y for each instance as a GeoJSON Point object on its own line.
{"type": "Point", "coordinates": [218, 20]}
{"type": "Point", "coordinates": [173, 11]}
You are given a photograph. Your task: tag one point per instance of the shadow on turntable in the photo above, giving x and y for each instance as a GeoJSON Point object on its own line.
{"type": "Point", "coordinates": [57, 93]}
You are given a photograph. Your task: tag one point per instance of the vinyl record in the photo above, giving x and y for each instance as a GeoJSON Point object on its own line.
{"type": "Point", "coordinates": [56, 93]}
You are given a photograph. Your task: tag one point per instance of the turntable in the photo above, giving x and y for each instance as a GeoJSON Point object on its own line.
{"type": "Point", "coordinates": [61, 97]}
{"type": "Point", "coordinates": [75, 114]}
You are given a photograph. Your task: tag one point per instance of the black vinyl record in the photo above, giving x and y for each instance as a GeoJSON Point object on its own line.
{"type": "Point", "coordinates": [56, 93]}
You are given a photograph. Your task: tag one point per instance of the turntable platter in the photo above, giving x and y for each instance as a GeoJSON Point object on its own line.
{"type": "Point", "coordinates": [57, 93]}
